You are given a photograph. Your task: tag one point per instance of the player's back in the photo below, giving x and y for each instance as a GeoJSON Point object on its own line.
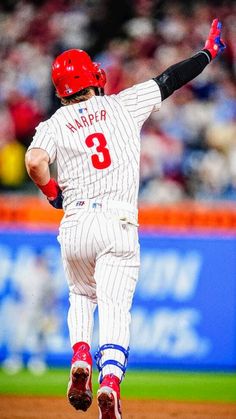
{"type": "Point", "coordinates": [96, 144]}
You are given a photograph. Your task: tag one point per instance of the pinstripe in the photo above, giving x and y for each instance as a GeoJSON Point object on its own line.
{"type": "Point", "coordinates": [118, 147]}
{"type": "Point", "coordinates": [121, 182]}
{"type": "Point", "coordinates": [100, 129]}
{"type": "Point", "coordinates": [80, 312]}
{"type": "Point", "coordinates": [131, 157]}
{"type": "Point", "coordinates": [78, 160]}
{"type": "Point", "coordinates": [83, 263]}
{"type": "Point", "coordinates": [60, 160]}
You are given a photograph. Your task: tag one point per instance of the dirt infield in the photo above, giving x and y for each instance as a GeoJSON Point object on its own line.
{"type": "Point", "coordinates": [16, 407]}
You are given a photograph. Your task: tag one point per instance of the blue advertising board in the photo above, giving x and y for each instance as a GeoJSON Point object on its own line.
{"type": "Point", "coordinates": [183, 314]}
{"type": "Point", "coordinates": [185, 303]}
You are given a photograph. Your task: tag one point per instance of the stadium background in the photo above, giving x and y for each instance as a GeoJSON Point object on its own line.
{"type": "Point", "coordinates": [184, 313]}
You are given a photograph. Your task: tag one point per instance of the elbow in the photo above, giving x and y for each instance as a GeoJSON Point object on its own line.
{"type": "Point", "coordinates": [34, 160]}
{"type": "Point", "coordinates": [165, 85]}
{"type": "Point", "coordinates": [32, 163]}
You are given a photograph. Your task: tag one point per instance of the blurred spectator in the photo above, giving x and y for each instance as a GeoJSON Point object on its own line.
{"type": "Point", "coordinates": [12, 162]}
{"type": "Point", "coordinates": [12, 171]}
{"type": "Point", "coordinates": [7, 129]}
{"type": "Point", "coordinates": [26, 115]}
{"type": "Point", "coordinates": [161, 178]}
{"type": "Point", "coordinates": [187, 145]}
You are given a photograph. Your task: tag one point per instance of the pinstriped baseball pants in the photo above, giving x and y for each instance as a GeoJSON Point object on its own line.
{"type": "Point", "coordinates": [100, 254]}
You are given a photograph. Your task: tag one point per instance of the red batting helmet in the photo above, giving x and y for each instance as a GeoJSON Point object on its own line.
{"type": "Point", "coordinates": [73, 70]}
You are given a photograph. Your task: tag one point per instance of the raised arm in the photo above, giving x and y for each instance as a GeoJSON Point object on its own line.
{"type": "Point", "coordinates": [181, 73]}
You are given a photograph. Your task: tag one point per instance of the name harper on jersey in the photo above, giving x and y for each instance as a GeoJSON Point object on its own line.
{"type": "Point", "coordinates": [86, 121]}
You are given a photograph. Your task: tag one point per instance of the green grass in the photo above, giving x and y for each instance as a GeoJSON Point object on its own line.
{"type": "Point", "coordinates": [137, 385]}
{"type": "Point", "coordinates": [181, 386]}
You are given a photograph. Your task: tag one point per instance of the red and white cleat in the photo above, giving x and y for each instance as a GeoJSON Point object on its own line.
{"type": "Point", "coordinates": [79, 392]}
{"type": "Point", "coordinates": [109, 398]}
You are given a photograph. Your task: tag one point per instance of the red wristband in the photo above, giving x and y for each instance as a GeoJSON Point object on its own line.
{"type": "Point", "coordinates": [50, 189]}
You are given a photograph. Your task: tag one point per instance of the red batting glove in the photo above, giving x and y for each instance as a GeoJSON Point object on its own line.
{"type": "Point", "coordinates": [213, 43]}
{"type": "Point", "coordinates": [51, 189]}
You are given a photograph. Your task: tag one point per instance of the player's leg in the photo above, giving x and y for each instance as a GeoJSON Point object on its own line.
{"type": "Point", "coordinates": [81, 312]}
{"type": "Point", "coordinates": [78, 261]}
{"type": "Point", "coordinates": [116, 275]}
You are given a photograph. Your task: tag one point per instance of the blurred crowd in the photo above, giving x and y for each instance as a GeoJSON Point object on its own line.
{"type": "Point", "coordinates": [188, 148]}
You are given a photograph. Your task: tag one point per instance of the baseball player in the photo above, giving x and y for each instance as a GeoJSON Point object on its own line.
{"type": "Point", "coordinates": [95, 140]}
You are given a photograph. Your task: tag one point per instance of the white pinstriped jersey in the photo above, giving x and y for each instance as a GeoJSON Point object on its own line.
{"type": "Point", "coordinates": [96, 144]}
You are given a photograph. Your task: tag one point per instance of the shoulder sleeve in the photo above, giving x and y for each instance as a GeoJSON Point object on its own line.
{"type": "Point", "coordinates": [141, 100]}
{"type": "Point", "coordinates": [44, 139]}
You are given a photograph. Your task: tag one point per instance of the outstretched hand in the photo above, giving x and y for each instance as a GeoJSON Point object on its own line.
{"type": "Point", "coordinates": [214, 44]}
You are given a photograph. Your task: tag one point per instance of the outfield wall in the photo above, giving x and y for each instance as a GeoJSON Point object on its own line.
{"type": "Point", "coordinates": [184, 311]}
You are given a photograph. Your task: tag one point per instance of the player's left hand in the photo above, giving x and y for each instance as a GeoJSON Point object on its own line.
{"type": "Point", "coordinates": [214, 44]}
{"type": "Point", "coordinates": [57, 202]}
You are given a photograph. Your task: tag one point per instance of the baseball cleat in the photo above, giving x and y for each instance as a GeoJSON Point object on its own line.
{"type": "Point", "coordinates": [108, 397]}
{"type": "Point", "coordinates": [79, 391]}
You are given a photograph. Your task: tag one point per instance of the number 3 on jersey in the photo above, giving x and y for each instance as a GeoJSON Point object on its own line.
{"type": "Point", "coordinates": [101, 159]}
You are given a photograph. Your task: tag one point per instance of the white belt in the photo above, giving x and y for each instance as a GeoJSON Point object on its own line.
{"type": "Point", "coordinates": [97, 204]}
